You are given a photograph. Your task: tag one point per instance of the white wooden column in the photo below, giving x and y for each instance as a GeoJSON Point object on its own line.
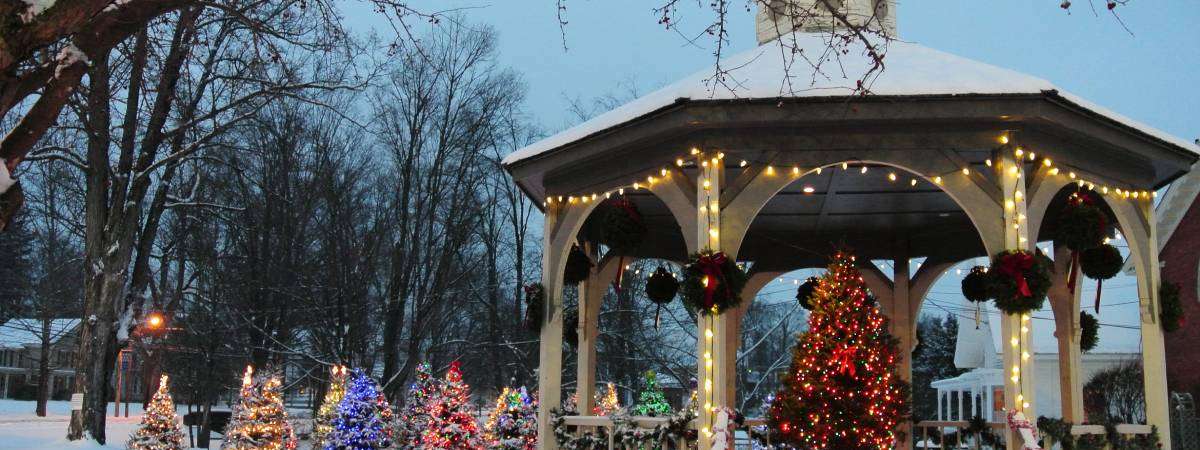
{"type": "Point", "coordinates": [591, 294]}
{"type": "Point", "coordinates": [1154, 360]}
{"type": "Point", "coordinates": [713, 331]}
{"type": "Point", "coordinates": [1015, 329]}
{"type": "Point", "coordinates": [903, 326]}
{"type": "Point", "coordinates": [1066, 329]}
{"type": "Point", "coordinates": [550, 351]}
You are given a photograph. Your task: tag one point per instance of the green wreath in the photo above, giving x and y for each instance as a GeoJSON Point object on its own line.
{"type": "Point", "coordinates": [712, 283]}
{"type": "Point", "coordinates": [1019, 280]}
{"type": "Point", "coordinates": [1089, 333]}
{"type": "Point", "coordinates": [1170, 312]}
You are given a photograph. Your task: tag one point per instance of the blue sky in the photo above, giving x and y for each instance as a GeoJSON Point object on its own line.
{"type": "Point", "coordinates": [1149, 75]}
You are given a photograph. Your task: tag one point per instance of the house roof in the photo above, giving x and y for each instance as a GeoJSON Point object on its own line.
{"type": "Point", "coordinates": [762, 73]}
{"type": "Point", "coordinates": [1176, 204]}
{"type": "Point", "coordinates": [21, 332]}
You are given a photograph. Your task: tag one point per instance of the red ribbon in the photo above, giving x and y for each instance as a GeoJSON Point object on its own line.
{"type": "Point", "coordinates": [713, 267]}
{"type": "Point", "coordinates": [1014, 265]}
{"type": "Point", "coordinates": [845, 358]}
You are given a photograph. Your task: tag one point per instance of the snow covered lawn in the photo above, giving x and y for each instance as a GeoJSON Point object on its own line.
{"type": "Point", "coordinates": [21, 429]}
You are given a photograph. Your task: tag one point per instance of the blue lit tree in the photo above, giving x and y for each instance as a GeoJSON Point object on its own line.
{"type": "Point", "coordinates": [364, 418]}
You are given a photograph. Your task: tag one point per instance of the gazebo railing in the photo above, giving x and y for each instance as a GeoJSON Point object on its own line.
{"type": "Point", "coordinates": [933, 434]}
{"type": "Point", "coordinates": [584, 424]}
{"type": "Point", "coordinates": [1122, 429]}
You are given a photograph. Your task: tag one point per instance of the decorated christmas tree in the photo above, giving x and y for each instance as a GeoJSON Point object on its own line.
{"type": "Point", "coordinates": [414, 415]}
{"type": "Point", "coordinates": [607, 403]}
{"type": "Point", "coordinates": [842, 390]}
{"type": "Point", "coordinates": [159, 429]}
{"type": "Point", "coordinates": [451, 424]}
{"type": "Point", "coordinates": [652, 402]}
{"type": "Point", "coordinates": [364, 418]}
{"type": "Point", "coordinates": [512, 425]}
{"type": "Point", "coordinates": [259, 421]}
{"type": "Point", "coordinates": [323, 422]}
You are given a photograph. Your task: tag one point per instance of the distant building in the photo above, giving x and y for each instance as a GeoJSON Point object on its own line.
{"type": "Point", "coordinates": [1178, 216]}
{"type": "Point", "coordinates": [20, 351]}
{"type": "Point", "coordinates": [980, 392]}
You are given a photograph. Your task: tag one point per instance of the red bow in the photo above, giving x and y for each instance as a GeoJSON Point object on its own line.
{"type": "Point", "coordinates": [1015, 265]}
{"type": "Point", "coordinates": [713, 268]}
{"type": "Point", "coordinates": [845, 358]}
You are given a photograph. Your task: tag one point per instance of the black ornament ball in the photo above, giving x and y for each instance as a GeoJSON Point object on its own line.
{"type": "Point", "coordinates": [1089, 334]}
{"type": "Point", "coordinates": [805, 291]}
{"type": "Point", "coordinates": [1101, 263]}
{"type": "Point", "coordinates": [571, 326]}
{"type": "Point", "coordinates": [535, 306]}
{"type": "Point", "coordinates": [579, 266]}
{"type": "Point", "coordinates": [1081, 225]}
{"type": "Point", "coordinates": [661, 286]}
{"type": "Point", "coordinates": [622, 228]}
{"type": "Point", "coordinates": [975, 284]}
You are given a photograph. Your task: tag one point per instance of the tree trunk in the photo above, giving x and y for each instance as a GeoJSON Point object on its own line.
{"type": "Point", "coordinates": [43, 392]}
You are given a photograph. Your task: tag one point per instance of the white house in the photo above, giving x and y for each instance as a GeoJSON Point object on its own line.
{"type": "Point", "coordinates": [980, 392]}
{"type": "Point", "coordinates": [20, 349]}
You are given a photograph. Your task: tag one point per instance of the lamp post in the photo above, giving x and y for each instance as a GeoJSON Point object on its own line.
{"type": "Point", "coordinates": [154, 322]}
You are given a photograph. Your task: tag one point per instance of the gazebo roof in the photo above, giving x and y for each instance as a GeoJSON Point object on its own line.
{"type": "Point", "coordinates": [929, 112]}
{"type": "Point", "coordinates": [910, 70]}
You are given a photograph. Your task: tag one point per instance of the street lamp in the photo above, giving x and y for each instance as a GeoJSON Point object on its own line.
{"type": "Point", "coordinates": [154, 320]}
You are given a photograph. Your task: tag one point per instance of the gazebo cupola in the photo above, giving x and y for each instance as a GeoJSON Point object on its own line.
{"type": "Point", "coordinates": [946, 159]}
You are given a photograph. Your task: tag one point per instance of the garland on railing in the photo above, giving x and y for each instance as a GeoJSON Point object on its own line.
{"type": "Point", "coordinates": [1059, 431]}
{"type": "Point", "coordinates": [626, 433]}
{"type": "Point", "coordinates": [978, 428]}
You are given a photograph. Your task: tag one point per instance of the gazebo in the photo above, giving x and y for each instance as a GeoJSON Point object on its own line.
{"type": "Point", "coordinates": [948, 159]}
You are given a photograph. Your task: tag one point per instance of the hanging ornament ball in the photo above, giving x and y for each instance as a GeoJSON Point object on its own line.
{"type": "Point", "coordinates": [622, 228]}
{"type": "Point", "coordinates": [1019, 280]}
{"type": "Point", "coordinates": [1081, 224]}
{"type": "Point", "coordinates": [975, 284]}
{"type": "Point", "coordinates": [579, 266]}
{"type": "Point", "coordinates": [571, 326]}
{"type": "Point", "coordinates": [1089, 334]}
{"type": "Point", "coordinates": [1171, 310]}
{"type": "Point", "coordinates": [805, 291]}
{"type": "Point", "coordinates": [535, 306]}
{"type": "Point", "coordinates": [1101, 262]}
{"type": "Point", "coordinates": [661, 286]}
{"type": "Point", "coordinates": [712, 283]}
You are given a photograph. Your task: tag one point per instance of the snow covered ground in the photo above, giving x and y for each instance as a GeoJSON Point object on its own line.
{"type": "Point", "coordinates": [21, 429]}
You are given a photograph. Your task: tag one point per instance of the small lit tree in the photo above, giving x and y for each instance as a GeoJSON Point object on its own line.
{"type": "Point", "coordinates": [323, 422]}
{"type": "Point", "coordinates": [512, 424]}
{"type": "Point", "coordinates": [607, 404]}
{"type": "Point", "coordinates": [842, 390]}
{"type": "Point", "coordinates": [159, 429]}
{"type": "Point", "coordinates": [652, 402]}
{"type": "Point", "coordinates": [259, 421]}
{"type": "Point", "coordinates": [364, 418]}
{"type": "Point", "coordinates": [415, 415]}
{"type": "Point", "coordinates": [451, 424]}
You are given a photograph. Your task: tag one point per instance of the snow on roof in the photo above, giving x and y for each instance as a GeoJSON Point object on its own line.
{"type": "Point", "coordinates": [763, 73]}
{"type": "Point", "coordinates": [17, 333]}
